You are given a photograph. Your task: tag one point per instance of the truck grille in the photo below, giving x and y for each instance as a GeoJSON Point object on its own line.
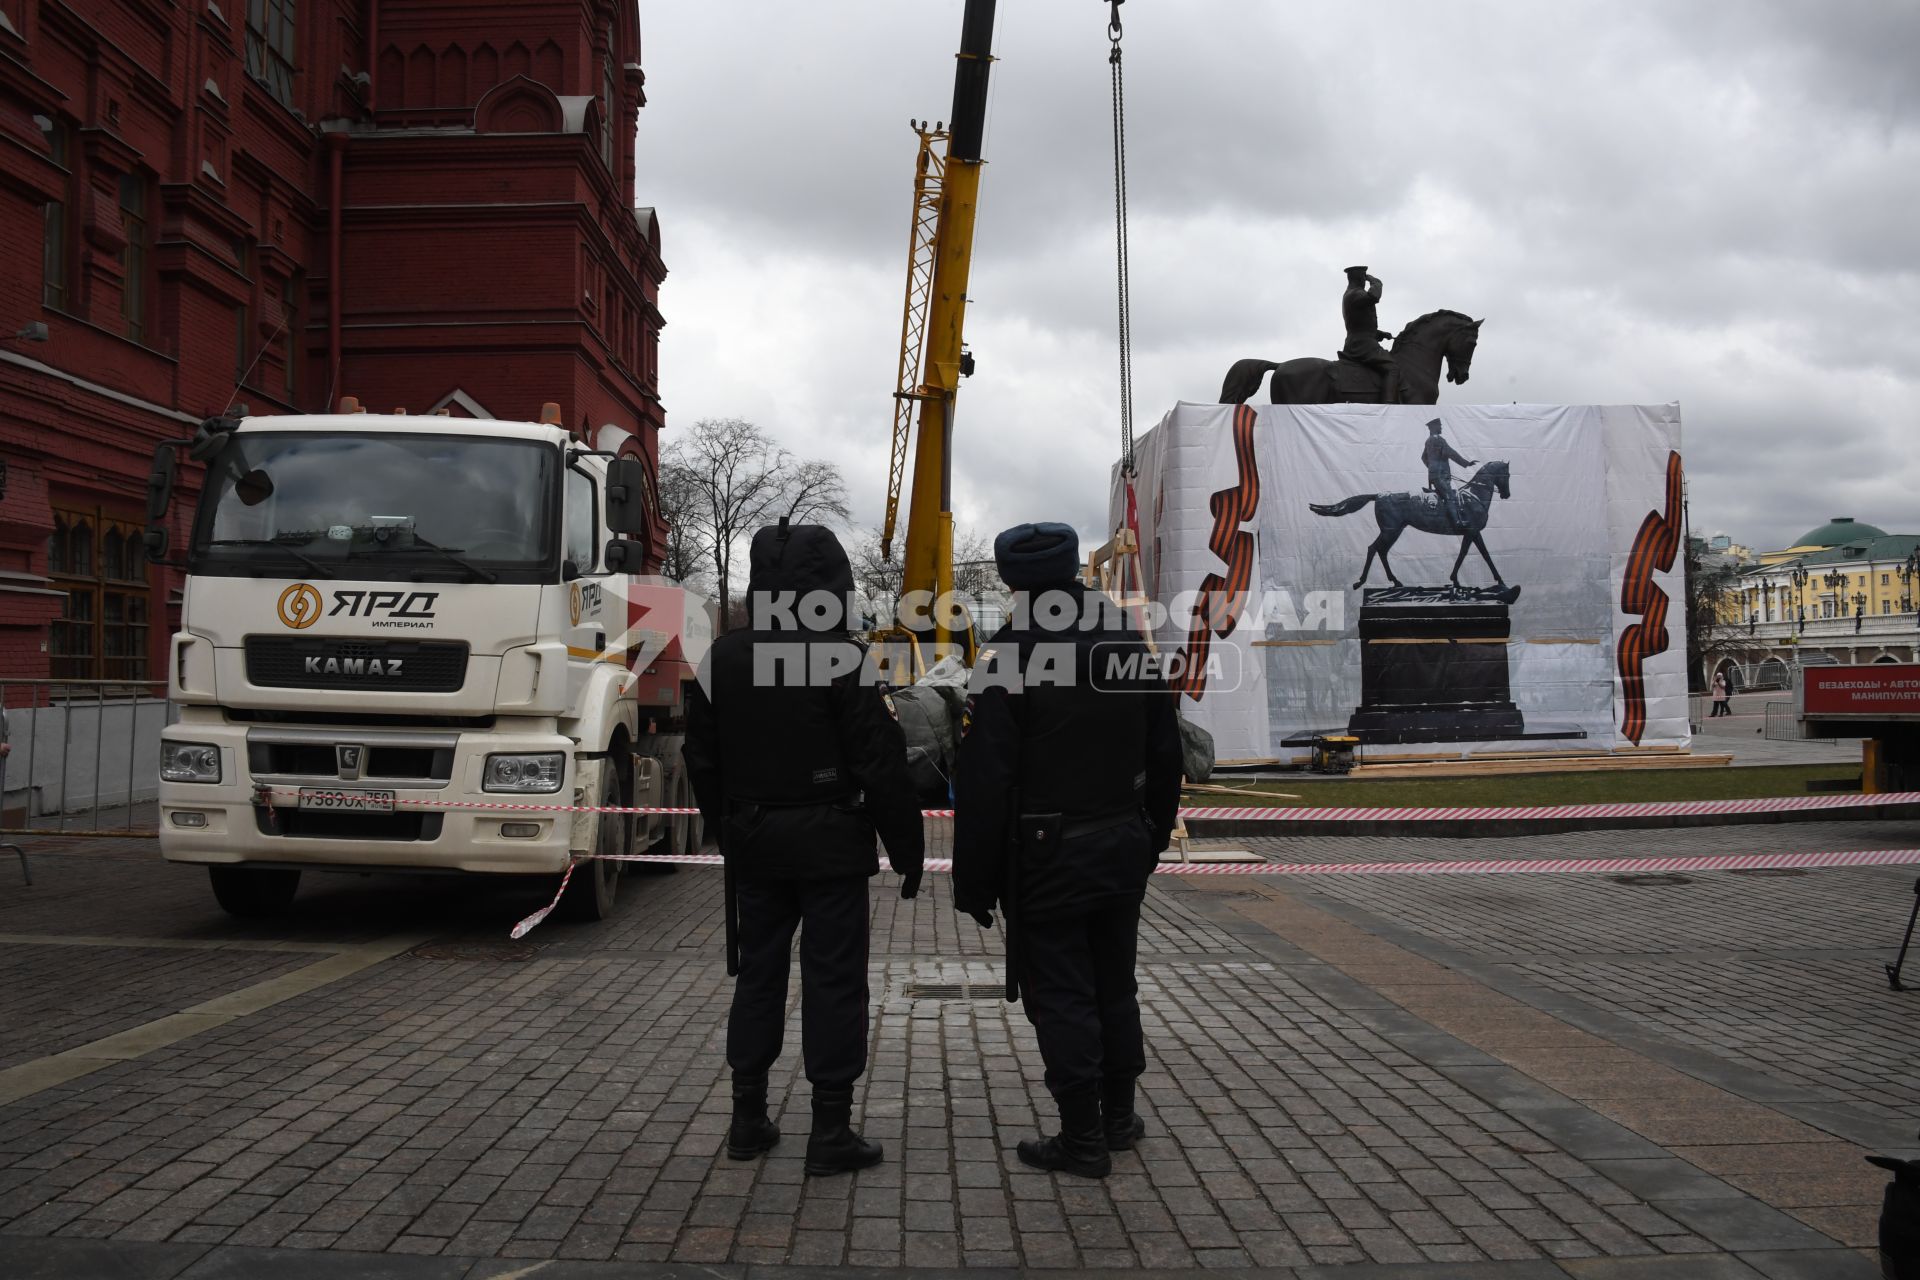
{"type": "Point", "coordinates": [326, 824]}
{"type": "Point", "coordinates": [409, 666]}
{"type": "Point", "coordinates": [413, 763]}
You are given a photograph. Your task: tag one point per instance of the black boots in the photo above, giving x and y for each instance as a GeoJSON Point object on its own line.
{"type": "Point", "coordinates": [834, 1147]}
{"type": "Point", "coordinates": [1122, 1123]}
{"type": "Point", "coordinates": [752, 1133]}
{"type": "Point", "coordinates": [1081, 1145]}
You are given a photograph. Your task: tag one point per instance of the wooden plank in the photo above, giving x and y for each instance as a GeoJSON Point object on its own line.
{"type": "Point", "coordinates": [1562, 764]}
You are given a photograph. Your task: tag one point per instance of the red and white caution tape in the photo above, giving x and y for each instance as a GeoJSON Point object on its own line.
{"type": "Point", "coordinates": [1444, 867]}
{"type": "Point", "coordinates": [1552, 812]}
{"type": "Point", "coordinates": [1268, 813]}
{"type": "Point", "coordinates": [527, 926]}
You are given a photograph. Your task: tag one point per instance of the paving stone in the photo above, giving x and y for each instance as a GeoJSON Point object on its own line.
{"type": "Point", "coordinates": [571, 1108]}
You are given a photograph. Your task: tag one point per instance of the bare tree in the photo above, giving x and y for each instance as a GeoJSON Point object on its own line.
{"type": "Point", "coordinates": [684, 558]}
{"type": "Point", "coordinates": [731, 478]}
{"type": "Point", "coordinates": [974, 571]}
{"type": "Point", "coordinates": [810, 492]}
{"type": "Point", "coordinates": [1715, 628]}
{"type": "Point", "coordinates": [877, 577]}
{"type": "Point", "coordinates": [880, 580]}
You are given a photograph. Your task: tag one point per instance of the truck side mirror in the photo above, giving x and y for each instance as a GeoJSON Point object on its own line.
{"type": "Point", "coordinates": [159, 498]}
{"type": "Point", "coordinates": [623, 555]}
{"type": "Point", "coordinates": [627, 495]}
{"type": "Point", "coordinates": [160, 482]}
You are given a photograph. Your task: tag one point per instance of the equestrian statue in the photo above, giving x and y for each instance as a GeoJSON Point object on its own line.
{"type": "Point", "coordinates": [1365, 372]}
{"type": "Point", "coordinates": [1442, 509]}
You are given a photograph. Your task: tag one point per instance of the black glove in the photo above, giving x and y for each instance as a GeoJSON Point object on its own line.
{"type": "Point", "coordinates": [982, 918]}
{"type": "Point", "coordinates": [910, 883]}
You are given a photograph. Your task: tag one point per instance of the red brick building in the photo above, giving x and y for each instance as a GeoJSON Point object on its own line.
{"type": "Point", "coordinates": [426, 204]}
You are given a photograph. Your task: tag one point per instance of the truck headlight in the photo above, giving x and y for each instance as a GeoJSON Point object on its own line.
{"type": "Point", "coordinates": [189, 762]}
{"type": "Point", "coordinates": [524, 775]}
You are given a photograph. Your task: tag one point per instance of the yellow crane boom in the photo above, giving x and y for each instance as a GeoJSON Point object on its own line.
{"type": "Point", "coordinates": [932, 355]}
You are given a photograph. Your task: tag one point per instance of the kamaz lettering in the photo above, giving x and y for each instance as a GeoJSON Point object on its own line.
{"type": "Point", "coordinates": [354, 666]}
{"type": "Point", "coordinates": [389, 604]}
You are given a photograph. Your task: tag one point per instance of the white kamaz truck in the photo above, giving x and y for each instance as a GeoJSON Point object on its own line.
{"type": "Point", "coordinates": [395, 630]}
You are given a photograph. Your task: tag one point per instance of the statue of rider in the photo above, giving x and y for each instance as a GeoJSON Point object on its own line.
{"type": "Point", "coordinates": [1359, 306]}
{"type": "Point", "coordinates": [1437, 453]}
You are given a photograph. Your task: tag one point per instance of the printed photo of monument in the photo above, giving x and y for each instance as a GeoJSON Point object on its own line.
{"type": "Point", "coordinates": [1470, 570]}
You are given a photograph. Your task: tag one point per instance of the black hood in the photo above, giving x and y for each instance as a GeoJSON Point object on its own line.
{"type": "Point", "coordinates": [796, 560]}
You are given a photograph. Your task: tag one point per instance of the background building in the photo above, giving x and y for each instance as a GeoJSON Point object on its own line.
{"type": "Point", "coordinates": [1845, 592]}
{"type": "Point", "coordinates": [422, 203]}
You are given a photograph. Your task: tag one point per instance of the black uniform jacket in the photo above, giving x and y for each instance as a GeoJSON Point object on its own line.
{"type": "Point", "coordinates": [795, 768]}
{"type": "Point", "coordinates": [1086, 739]}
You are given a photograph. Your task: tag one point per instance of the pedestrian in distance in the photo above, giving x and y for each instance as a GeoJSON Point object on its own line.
{"type": "Point", "coordinates": [1720, 707]}
{"type": "Point", "coordinates": [798, 764]}
{"type": "Point", "coordinates": [1066, 790]}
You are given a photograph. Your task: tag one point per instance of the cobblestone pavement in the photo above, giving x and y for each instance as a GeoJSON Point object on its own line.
{"type": "Point", "coordinates": [1514, 1077]}
{"type": "Point", "coordinates": [1778, 971]}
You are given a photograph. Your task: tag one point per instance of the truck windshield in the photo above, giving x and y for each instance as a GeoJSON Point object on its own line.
{"type": "Point", "coordinates": [416, 507]}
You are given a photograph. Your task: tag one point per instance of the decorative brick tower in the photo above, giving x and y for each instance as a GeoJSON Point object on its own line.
{"type": "Point", "coordinates": [426, 204]}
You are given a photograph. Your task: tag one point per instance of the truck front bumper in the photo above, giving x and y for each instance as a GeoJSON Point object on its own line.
{"type": "Point", "coordinates": [444, 822]}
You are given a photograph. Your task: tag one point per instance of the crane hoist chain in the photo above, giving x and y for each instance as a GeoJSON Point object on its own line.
{"type": "Point", "coordinates": [1114, 34]}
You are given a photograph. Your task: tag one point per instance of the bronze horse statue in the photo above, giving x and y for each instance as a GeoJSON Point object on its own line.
{"type": "Point", "coordinates": [1396, 512]}
{"type": "Point", "coordinates": [1418, 351]}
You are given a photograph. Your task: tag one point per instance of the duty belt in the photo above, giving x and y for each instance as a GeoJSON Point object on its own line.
{"type": "Point", "coordinates": [1074, 828]}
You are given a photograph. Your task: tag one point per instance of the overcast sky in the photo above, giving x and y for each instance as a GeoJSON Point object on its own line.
{"type": "Point", "coordinates": [1709, 201]}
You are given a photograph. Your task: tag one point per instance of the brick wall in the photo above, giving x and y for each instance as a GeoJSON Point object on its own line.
{"type": "Point", "coordinates": [508, 266]}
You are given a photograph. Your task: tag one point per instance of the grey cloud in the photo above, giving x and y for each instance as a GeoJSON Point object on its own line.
{"type": "Point", "coordinates": [1706, 202]}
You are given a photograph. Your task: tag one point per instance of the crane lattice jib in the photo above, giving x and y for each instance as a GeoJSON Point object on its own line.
{"type": "Point", "coordinates": [922, 243]}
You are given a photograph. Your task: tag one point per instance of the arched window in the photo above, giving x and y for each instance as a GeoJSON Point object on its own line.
{"type": "Point", "coordinates": [80, 549]}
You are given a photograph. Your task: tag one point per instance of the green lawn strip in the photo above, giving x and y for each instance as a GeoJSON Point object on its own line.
{"type": "Point", "coordinates": [1538, 788]}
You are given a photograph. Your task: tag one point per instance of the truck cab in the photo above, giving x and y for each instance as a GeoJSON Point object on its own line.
{"type": "Point", "coordinates": [418, 644]}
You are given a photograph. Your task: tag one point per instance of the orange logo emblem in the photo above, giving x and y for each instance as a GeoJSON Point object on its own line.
{"type": "Point", "coordinates": [573, 603]}
{"type": "Point", "coordinates": [300, 606]}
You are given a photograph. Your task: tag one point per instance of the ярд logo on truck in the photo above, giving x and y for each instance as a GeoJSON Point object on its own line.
{"type": "Point", "coordinates": [299, 606]}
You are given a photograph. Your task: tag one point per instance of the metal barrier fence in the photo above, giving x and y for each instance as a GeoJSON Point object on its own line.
{"type": "Point", "coordinates": [83, 756]}
{"type": "Point", "coordinates": [1783, 725]}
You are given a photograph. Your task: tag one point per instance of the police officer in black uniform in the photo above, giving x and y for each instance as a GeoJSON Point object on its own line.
{"type": "Point", "coordinates": [797, 762]}
{"type": "Point", "coordinates": [1065, 794]}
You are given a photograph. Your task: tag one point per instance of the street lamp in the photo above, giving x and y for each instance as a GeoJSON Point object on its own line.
{"type": "Point", "coordinates": [1798, 576]}
{"type": "Point", "coordinates": [1859, 609]}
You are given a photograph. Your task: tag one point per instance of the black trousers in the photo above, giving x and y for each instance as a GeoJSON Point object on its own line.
{"type": "Point", "coordinates": [832, 918]}
{"type": "Point", "coordinates": [1076, 979]}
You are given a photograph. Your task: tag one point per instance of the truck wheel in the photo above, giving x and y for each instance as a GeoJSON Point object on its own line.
{"type": "Point", "coordinates": [251, 892]}
{"type": "Point", "coordinates": [680, 829]}
{"type": "Point", "coordinates": [692, 831]}
{"type": "Point", "coordinates": [590, 894]}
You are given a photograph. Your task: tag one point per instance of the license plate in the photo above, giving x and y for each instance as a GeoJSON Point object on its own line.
{"type": "Point", "coordinates": [351, 801]}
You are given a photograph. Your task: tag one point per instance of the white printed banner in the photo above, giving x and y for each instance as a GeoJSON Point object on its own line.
{"type": "Point", "coordinates": [1422, 577]}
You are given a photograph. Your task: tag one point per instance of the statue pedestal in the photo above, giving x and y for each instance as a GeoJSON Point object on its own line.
{"type": "Point", "coordinates": [1433, 668]}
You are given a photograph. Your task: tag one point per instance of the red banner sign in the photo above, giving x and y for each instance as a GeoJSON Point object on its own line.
{"type": "Point", "coordinates": [1880, 690]}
